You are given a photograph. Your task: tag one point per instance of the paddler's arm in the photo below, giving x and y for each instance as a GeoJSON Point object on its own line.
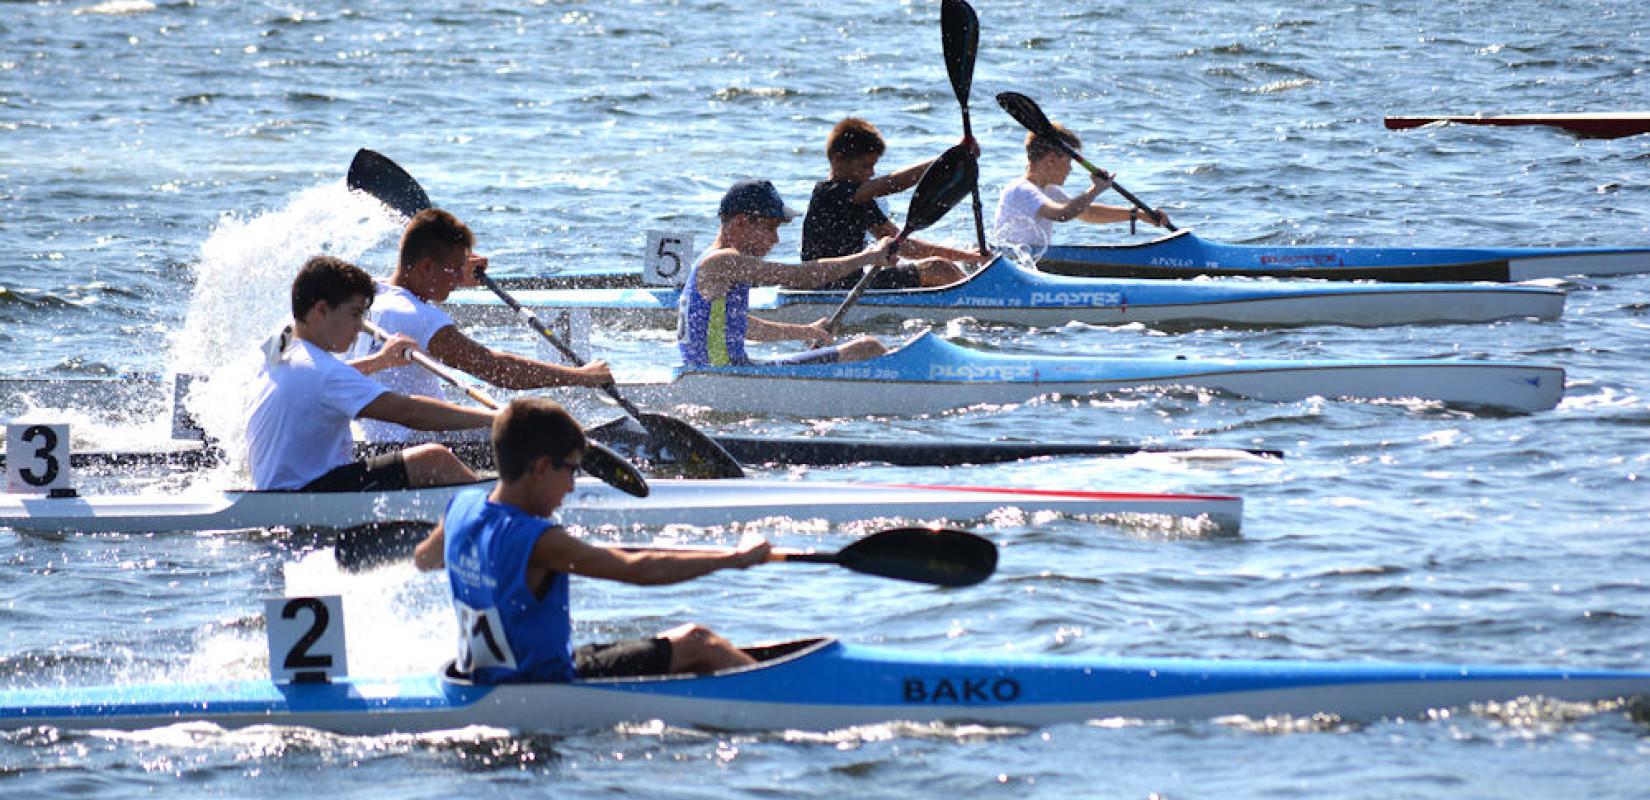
{"type": "Point", "coordinates": [557, 551]}
{"type": "Point", "coordinates": [425, 414]}
{"type": "Point", "coordinates": [392, 354]}
{"type": "Point", "coordinates": [431, 554]}
{"type": "Point", "coordinates": [893, 183]}
{"type": "Point", "coordinates": [761, 330]}
{"type": "Point", "coordinates": [1074, 208]}
{"type": "Point", "coordinates": [508, 370]}
{"type": "Point", "coordinates": [721, 271]}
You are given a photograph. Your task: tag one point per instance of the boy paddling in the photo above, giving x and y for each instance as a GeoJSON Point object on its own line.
{"type": "Point", "coordinates": [508, 565]}
{"type": "Point", "coordinates": [714, 318]}
{"type": "Point", "coordinates": [437, 256]}
{"type": "Point", "coordinates": [304, 398]}
{"type": "Point", "coordinates": [1031, 204]}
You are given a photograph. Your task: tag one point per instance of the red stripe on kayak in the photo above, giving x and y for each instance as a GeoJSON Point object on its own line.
{"type": "Point", "coordinates": [1061, 492]}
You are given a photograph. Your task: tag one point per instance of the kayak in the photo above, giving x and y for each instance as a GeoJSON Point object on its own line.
{"type": "Point", "coordinates": [687, 502]}
{"type": "Point", "coordinates": [1184, 255]}
{"type": "Point", "coordinates": [825, 684]}
{"type": "Point", "coordinates": [1003, 293]}
{"type": "Point", "coordinates": [1605, 125]}
{"type": "Point", "coordinates": [930, 375]}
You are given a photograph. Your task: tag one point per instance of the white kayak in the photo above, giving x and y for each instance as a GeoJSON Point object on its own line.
{"type": "Point", "coordinates": [930, 375]}
{"type": "Point", "coordinates": [687, 502]}
{"type": "Point", "coordinates": [1002, 293]}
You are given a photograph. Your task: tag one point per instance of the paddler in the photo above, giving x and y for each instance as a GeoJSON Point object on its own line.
{"type": "Point", "coordinates": [1031, 204]}
{"type": "Point", "coordinates": [508, 564]}
{"type": "Point", "coordinates": [436, 256]}
{"type": "Point", "coordinates": [846, 209]}
{"type": "Point", "coordinates": [304, 398]}
{"type": "Point", "coordinates": [714, 320]}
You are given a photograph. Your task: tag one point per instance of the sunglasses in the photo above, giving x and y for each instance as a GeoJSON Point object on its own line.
{"type": "Point", "coordinates": [571, 467]}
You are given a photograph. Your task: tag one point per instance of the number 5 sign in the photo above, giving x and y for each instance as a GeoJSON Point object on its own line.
{"type": "Point", "coordinates": [668, 257]}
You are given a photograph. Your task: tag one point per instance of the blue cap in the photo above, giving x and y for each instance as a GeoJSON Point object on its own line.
{"type": "Point", "coordinates": [757, 197]}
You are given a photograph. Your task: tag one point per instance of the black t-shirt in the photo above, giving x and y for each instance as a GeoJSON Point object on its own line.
{"type": "Point", "coordinates": [837, 226]}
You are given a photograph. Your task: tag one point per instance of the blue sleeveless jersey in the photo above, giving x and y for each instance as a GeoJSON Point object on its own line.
{"type": "Point", "coordinates": [712, 333]}
{"type": "Point", "coordinates": [506, 634]}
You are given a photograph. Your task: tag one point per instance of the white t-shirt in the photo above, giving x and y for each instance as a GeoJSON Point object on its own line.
{"type": "Point", "coordinates": [1018, 225]}
{"type": "Point", "coordinates": [397, 310]}
{"type": "Point", "coordinates": [299, 427]}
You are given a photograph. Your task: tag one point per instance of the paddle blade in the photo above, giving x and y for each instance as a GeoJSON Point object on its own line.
{"type": "Point", "coordinates": [944, 184]}
{"type": "Point", "coordinates": [960, 37]}
{"type": "Point", "coordinates": [611, 468]}
{"type": "Point", "coordinates": [384, 179]}
{"type": "Point", "coordinates": [1024, 110]}
{"type": "Point", "coordinates": [698, 455]}
{"type": "Point", "coordinates": [936, 556]}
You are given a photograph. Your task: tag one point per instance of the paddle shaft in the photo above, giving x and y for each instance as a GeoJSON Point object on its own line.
{"type": "Point", "coordinates": [435, 368]}
{"type": "Point", "coordinates": [960, 39]}
{"type": "Point", "coordinates": [544, 330]}
{"type": "Point", "coordinates": [1127, 195]}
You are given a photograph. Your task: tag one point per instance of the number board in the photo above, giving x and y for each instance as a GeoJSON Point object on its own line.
{"type": "Point", "coordinates": [37, 457]}
{"type": "Point", "coordinates": [668, 257]}
{"type": "Point", "coordinates": [572, 326]}
{"type": "Point", "coordinates": [306, 639]}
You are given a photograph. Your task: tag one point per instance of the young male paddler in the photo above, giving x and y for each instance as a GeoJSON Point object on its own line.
{"type": "Point", "coordinates": [436, 257]}
{"type": "Point", "coordinates": [304, 398]}
{"type": "Point", "coordinates": [508, 564]}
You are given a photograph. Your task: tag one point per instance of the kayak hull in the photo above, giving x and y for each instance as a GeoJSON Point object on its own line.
{"type": "Point", "coordinates": [1003, 293]}
{"type": "Point", "coordinates": [1185, 255]}
{"type": "Point", "coordinates": [825, 685]}
{"type": "Point", "coordinates": [698, 502]}
{"type": "Point", "coordinates": [930, 375]}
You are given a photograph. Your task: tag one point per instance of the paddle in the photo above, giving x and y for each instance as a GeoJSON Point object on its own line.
{"type": "Point", "coordinates": [699, 456]}
{"type": "Point", "coordinates": [942, 186]}
{"type": "Point", "coordinates": [960, 38]}
{"type": "Point", "coordinates": [604, 464]}
{"type": "Point", "coordinates": [1024, 110]}
{"type": "Point", "coordinates": [937, 556]}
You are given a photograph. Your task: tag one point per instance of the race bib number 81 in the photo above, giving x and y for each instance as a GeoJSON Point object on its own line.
{"type": "Point", "coordinates": [481, 641]}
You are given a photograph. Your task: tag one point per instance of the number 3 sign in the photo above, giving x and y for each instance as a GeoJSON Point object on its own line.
{"type": "Point", "coordinates": [37, 457]}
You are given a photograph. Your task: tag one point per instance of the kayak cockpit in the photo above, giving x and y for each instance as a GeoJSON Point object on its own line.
{"type": "Point", "coordinates": [767, 655]}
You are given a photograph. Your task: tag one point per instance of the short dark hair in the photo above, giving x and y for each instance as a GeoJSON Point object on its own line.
{"type": "Point", "coordinates": [1039, 146]}
{"type": "Point", "coordinates": [431, 234]}
{"type": "Point", "coordinates": [331, 279]}
{"type": "Point", "coordinates": [529, 429]}
{"type": "Point", "coordinates": [854, 137]}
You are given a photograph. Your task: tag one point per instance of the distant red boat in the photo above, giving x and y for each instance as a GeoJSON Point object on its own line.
{"type": "Point", "coordinates": [1598, 126]}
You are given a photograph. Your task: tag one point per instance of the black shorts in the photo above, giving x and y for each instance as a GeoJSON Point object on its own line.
{"type": "Point", "coordinates": [626, 658]}
{"type": "Point", "coordinates": [887, 278]}
{"type": "Point", "coordinates": [379, 473]}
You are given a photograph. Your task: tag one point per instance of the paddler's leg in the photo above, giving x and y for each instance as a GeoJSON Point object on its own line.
{"type": "Point", "coordinates": [434, 465]}
{"type": "Point", "coordinates": [696, 648]}
{"type": "Point", "coordinates": [860, 349]}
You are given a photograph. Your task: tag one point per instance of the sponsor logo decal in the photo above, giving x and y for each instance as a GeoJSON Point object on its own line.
{"type": "Point", "coordinates": [981, 372]}
{"type": "Point", "coordinates": [1077, 298]}
{"type": "Point", "coordinates": [961, 691]}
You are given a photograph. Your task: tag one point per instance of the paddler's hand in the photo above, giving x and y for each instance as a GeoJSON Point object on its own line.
{"type": "Point", "coordinates": [752, 550]}
{"type": "Point", "coordinates": [595, 374]}
{"type": "Point", "coordinates": [817, 335]}
{"type": "Point", "coordinates": [473, 265]}
{"type": "Point", "coordinates": [884, 253]}
{"type": "Point", "coordinates": [1158, 218]}
{"type": "Point", "coordinates": [1101, 180]}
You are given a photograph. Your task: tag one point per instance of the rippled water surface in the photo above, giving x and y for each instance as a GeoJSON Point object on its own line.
{"type": "Point", "coordinates": [164, 166]}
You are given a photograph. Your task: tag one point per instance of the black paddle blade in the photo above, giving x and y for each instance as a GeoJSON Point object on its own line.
{"type": "Point", "coordinates": [699, 455]}
{"type": "Point", "coordinates": [384, 179]}
{"type": "Point", "coordinates": [611, 468]}
{"type": "Point", "coordinates": [960, 37]}
{"type": "Point", "coordinates": [937, 556]}
{"type": "Point", "coordinates": [1024, 110]}
{"type": "Point", "coordinates": [944, 184]}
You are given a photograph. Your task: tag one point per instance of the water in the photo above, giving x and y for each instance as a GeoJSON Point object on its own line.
{"type": "Point", "coordinates": [164, 166]}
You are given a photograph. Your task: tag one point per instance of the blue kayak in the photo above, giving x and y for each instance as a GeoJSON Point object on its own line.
{"type": "Point", "coordinates": [930, 374]}
{"type": "Point", "coordinates": [1003, 293]}
{"type": "Point", "coordinates": [824, 684]}
{"type": "Point", "coordinates": [1184, 255]}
